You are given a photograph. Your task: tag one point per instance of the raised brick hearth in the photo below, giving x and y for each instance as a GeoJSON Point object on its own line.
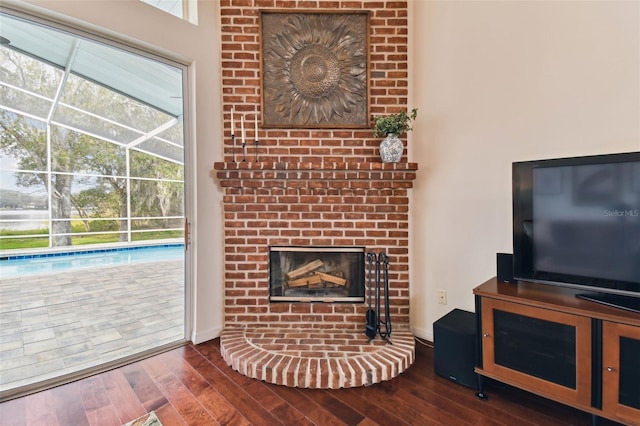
{"type": "Point", "coordinates": [318, 359]}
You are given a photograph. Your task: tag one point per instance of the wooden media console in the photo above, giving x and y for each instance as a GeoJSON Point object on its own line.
{"type": "Point", "coordinates": [545, 340]}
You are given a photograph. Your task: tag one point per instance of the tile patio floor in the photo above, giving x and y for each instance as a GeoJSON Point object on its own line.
{"type": "Point", "coordinates": [60, 323]}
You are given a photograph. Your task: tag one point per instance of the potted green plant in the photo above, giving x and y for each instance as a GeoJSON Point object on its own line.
{"type": "Point", "coordinates": [396, 124]}
{"type": "Point", "coordinates": [392, 127]}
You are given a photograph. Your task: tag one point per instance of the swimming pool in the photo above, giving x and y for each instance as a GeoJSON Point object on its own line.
{"type": "Point", "coordinates": [45, 263]}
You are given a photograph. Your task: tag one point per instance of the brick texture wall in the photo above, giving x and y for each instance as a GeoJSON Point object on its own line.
{"type": "Point", "coordinates": [241, 81]}
{"type": "Point", "coordinates": [311, 186]}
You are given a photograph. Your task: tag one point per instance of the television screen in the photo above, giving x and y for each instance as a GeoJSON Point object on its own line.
{"type": "Point", "coordinates": [577, 221]}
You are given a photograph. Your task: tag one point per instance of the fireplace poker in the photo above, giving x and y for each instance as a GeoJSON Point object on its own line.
{"type": "Point", "coordinates": [386, 334]}
{"type": "Point", "coordinates": [383, 259]}
{"type": "Point", "coordinates": [371, 328]}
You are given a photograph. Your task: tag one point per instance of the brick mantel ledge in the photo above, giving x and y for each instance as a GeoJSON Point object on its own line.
{"type": "Point", "coordinates": [310, 165]}
{"type": "Point", "coordinates": [400, 175]}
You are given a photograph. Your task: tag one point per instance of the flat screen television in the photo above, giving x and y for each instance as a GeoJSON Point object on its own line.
{"type": "Point", "coordinates": [576, 223]}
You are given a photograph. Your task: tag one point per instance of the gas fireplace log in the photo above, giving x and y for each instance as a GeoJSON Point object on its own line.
{"type": "Point", "coordinates": [332, 279]}
{"type": "Point", "coordinates": [305, 281]}
{"type": "Point", "coordinates": [315, 280]}
{"type": "Point", "coordinates": [316, 284]}
{"type": "Point", "coordinates": [309, 267]}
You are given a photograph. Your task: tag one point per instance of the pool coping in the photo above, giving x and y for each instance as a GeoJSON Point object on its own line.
{"type": "Point", "coordinates": [10, 255]}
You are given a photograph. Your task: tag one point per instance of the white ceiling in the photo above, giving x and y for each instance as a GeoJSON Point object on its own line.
{"type": "Point", "coordinates": [149, 83]}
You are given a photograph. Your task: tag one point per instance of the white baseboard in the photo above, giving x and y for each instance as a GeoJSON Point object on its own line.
{"type": "Point", "coordinates": [422, 334]}
{"type": "Point", "coordinates": [205, 335]}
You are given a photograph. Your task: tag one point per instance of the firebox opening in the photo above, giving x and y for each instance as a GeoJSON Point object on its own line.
{"type": "Point", "coordinates": [316, 274]}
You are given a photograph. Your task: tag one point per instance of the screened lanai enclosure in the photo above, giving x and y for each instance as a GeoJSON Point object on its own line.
{"type": "Point", "coordinates": [92, 204]}
{"type": "Point", "coordinates": [91, 141]}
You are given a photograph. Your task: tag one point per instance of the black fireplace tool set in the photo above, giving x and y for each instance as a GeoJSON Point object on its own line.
{"type": "Point", "coordinates": [375, 322]}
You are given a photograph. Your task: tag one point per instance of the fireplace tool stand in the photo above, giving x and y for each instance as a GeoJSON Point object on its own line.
{"type": "Point", "coordinates": [375, 322]}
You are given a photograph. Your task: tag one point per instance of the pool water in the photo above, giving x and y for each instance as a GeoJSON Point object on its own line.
{"type": "Point", "coordinates": [18, 266]}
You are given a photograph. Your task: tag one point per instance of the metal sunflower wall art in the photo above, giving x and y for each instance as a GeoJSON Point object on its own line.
{"type": "Point", "coordinates": [315, 69]}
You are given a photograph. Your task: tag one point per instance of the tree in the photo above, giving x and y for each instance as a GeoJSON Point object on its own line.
{"type": "Point", "coordinates": [78, 150]}
{"type": "Point", "coordinates": [28, 144]}
{"type": "Point", "coordinates": [159, 196]}
{"type": "Point", "coordinates": [109, 160]}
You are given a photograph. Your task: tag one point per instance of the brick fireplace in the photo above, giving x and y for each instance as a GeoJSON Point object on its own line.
{"type": "Point", "coordinates": [311, 188]}
{"type": "Point", "coordinates": [305, 205]}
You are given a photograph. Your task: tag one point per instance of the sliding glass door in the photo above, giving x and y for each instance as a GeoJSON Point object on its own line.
{"type": "Point", "coordinates": [92, 204]}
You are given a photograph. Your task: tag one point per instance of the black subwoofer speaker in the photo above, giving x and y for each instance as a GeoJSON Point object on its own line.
{"type": "Point", "coordinates": [504, 267]}
{"type": "Point", "coordinates": [454, 347]}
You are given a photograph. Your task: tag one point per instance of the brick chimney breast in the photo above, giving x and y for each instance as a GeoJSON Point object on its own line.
{"type": "Point", "coordinates": [311, 187]}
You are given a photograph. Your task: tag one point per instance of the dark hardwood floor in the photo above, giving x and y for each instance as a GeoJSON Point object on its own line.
{"type": "Point", "coordinates": [192, 385]}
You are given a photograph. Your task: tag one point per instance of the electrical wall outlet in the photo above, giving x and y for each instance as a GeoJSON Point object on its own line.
{"type": "Point", "coordinates": [442, 297]}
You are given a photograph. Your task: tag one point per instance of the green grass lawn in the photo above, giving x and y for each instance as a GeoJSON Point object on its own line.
{"type": "Point", "coordinates": [39, 238]}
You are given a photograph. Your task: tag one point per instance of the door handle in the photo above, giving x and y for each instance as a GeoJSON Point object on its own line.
{"type": "Point", "coordinates": [186, 233]}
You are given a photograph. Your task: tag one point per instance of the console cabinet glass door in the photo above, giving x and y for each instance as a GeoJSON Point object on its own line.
{"type": "Point", "coordinates": [540, 350]}
{"type": "Point", "coordinates": [621, 371]}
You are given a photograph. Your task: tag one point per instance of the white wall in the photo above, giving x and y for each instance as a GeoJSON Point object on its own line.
{"type": "Point", "coordinates": [141, 25]}
{"type": "Point", "coordinates": [496, 82]}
